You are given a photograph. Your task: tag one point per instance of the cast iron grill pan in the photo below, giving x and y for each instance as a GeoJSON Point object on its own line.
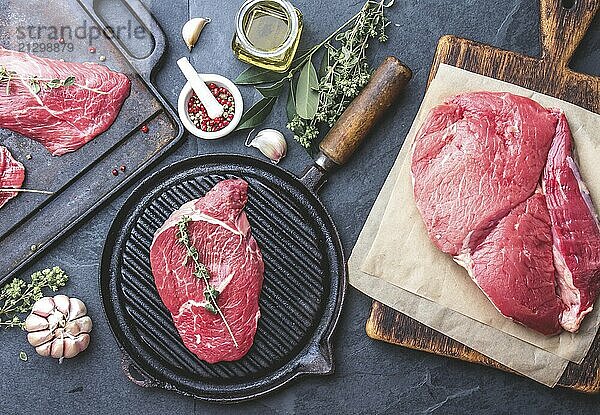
{"type": "Point", "coordinates": [300, 301]}
{"type": "Point", "coordinates": [305, 271]}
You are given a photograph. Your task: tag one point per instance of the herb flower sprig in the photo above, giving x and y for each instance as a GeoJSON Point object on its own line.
{"type": "Point", "coordinates": [37, 84]}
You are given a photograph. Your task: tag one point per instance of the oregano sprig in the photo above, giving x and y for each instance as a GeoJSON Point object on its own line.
{"type": "Point", "coordinates": [17, 297]}
{"type": "Point", "coordinates": [211, 294]}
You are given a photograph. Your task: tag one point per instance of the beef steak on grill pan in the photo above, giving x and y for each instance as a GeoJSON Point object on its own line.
{"type": "Point", "coordinates": [219, 231]}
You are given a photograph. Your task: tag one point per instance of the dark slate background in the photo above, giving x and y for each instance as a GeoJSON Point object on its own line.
{"type": "Point", "coordinates": [370, 377]}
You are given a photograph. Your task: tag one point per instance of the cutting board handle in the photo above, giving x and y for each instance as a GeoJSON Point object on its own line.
{"type": "Point", "coordinates": [144, 65]}
{"type": "Point", "coordinates": [563, 24]}
{"type": "Point", "coordinates": [386, 83]}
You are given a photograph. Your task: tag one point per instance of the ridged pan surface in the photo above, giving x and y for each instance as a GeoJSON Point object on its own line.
{"type": "Point", "coordinates": [301, 298]}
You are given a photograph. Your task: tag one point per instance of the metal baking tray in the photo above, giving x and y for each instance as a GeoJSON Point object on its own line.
{"type": "Point", "coordinates": [82, 180]}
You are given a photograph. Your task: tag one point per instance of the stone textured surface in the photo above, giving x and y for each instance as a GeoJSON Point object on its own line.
{"type": "Point", "coordinates": [370, 377]}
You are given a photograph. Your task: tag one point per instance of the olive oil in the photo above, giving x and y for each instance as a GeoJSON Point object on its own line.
{"type": "Point", "coordinates": [267, 34]}
{"type": "Point", "coordinates": [267, 28]}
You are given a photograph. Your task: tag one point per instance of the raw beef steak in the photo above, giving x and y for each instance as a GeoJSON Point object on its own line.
{"type": "Point", "coordinates": [513, 266]}
{"type": "Point", "coordinates": [62, 119]}
{"type": "Point", "coordinates": [575, 230]}
{"type": "Point", "coordinates": [534, 250]}
{"type": "Point", "coordinates": [12, 174]}
{"type": "Point", "coordinates": [476, 157]}
{"type": "Point", "coordinates": [220, 231]}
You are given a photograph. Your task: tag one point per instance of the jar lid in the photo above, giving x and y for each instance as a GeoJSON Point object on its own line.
{"type": "Point", "coordinates": [293, 18]}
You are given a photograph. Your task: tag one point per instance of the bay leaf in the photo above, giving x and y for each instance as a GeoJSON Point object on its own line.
{"type": "Point", "coordinates": [290, 107]}
{"type": "Point", "coordinates": [256, 76]}
{"type": "Point", "coordinates": [257, 114]}
{"type": "Point", "coordinates": [270, 91]}
{"type": "Point", "coordinates": [307, 95]}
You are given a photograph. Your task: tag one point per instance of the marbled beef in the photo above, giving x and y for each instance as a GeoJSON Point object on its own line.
{"type": "Point", "coordinates": [62, 119]}
{"type": "Point", "coordinates": [220, 231]}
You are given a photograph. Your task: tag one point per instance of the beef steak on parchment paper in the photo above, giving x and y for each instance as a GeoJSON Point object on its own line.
{"type": "Point", "coordinates": [498, 189]}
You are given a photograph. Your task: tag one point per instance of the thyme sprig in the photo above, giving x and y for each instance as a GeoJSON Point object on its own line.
{"type": "Point", "coordinates": [345, 71]}
{"type": "Point", "coordinates": [18, 297]}
{"type": "Point", "coordinates": [36, 84]}
{"type": "Point", "coordinates": [211, 294]}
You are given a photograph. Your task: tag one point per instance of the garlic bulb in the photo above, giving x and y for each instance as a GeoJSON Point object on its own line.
{"type": "Point", "coordinates": [59, 327]}
{"type": "Point", "coordinates": [192, 29]}
{"type": "Point", "coordinates": [270, 142]}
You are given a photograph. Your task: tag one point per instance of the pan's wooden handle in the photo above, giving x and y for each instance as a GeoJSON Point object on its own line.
{"type": "Point", "coordinates": [367, 108]}
{"type": "Point", "coordinates": [563, 24]}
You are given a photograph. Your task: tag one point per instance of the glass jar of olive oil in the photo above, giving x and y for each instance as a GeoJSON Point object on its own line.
{"type": "Point", "coordinates": [267, 33]}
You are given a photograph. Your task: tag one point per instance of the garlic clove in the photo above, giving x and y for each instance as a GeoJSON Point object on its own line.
{"type": "Point", "coordinates": [39, 337]}
{"type": "Point", "coordinates": [191, 31]}
{"type": "Point", "coordinates": [83, 341]}
{"type": "Point", "coordinates": [77, 309]}
{"type": "Point", "coordinates": [81, 325]}
{"type": "Point", "coordinates": [35, 323]}
{"type": "Point", "coordinates": [43, 307]}
{"type": "Point", "coordinates": [271, 143]}
{"type": "Point", "coordinates": [58, 348]}
{"type": "Point", "coordinates": [71, 348]}
{"type": "Point", "coordinates": [44, 349]}
{"type": "Point", "coordinates": [61, 302]}
{"type": "Point", "coordinates": [55, 320]}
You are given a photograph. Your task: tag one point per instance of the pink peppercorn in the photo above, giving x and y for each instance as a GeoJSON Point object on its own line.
{"type": "Point", "coordinates": [199, 116]}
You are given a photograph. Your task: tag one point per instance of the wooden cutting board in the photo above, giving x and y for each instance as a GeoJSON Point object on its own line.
{"type": "Point", "coordinates": [562, 29]}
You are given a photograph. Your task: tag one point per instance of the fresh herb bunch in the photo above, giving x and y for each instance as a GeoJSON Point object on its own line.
{"type": "Point", "coordinates": [317, 100]}
{"type": "Point", "coordinates": [18, 296]}
{"type": "Point", "coordinates": [211, 294]}
{"type": "Point", "coordinates": [36, 84]}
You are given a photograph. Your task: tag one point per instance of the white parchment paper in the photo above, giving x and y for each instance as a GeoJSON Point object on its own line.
{"type": "Point", "coordinates": [396, 263]}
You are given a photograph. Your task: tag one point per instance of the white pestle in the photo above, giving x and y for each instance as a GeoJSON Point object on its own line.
{"type": "Point", "coordinates": [213, 108]}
